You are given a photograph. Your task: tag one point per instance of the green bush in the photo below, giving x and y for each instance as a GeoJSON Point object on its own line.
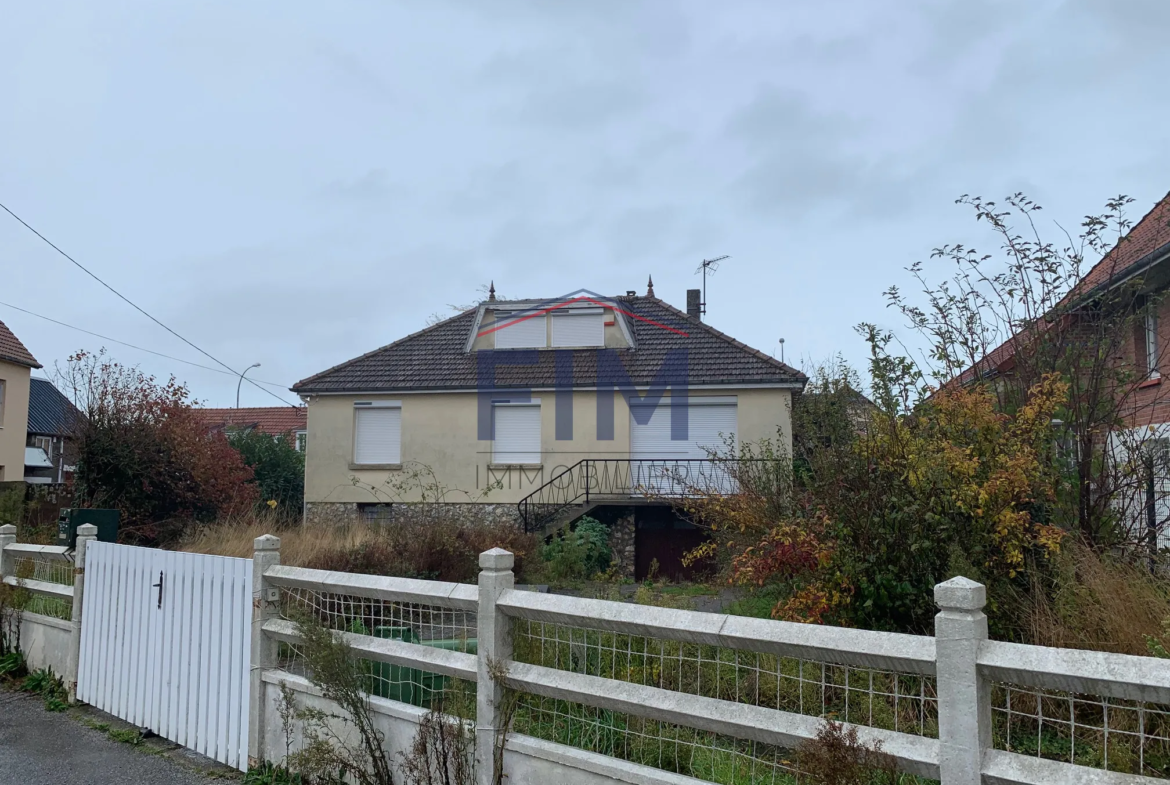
{"type": "Point", "coordinates": [580, 553]}
{"type": "Point", "coordinates": [278, 469]}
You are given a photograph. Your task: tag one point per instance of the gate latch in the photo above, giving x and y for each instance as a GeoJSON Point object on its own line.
{"type": "Point", "coordinates": [159, 586]}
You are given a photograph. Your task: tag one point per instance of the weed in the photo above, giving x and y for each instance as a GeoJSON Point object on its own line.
{"type": "Point", "coordinates": [49, 686]}
{"type": "Point", "coordinates": [129, 736]}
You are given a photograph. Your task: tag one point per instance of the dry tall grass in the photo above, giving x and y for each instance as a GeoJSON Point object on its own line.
{"type": "Point", "coordinates": [440, 549]}
{"type": "Point", "coordinates": [1098, 602]}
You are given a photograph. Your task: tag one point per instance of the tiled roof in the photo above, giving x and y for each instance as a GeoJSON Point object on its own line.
{"type": "Point", "coordinates": [266, 419]}
{"type": "Point", "coordinates": [13, 351]}
{"type": "Point", "coordinates": [436, 358]}
{"type": "Point", "coordinates": [1146, 242]}
{"type": "Point", "coordinates": [49, 412]}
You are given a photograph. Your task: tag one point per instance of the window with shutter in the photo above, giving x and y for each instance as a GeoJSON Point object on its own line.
{"type": "Point", "coordinates": [521, 331]}
{"type": "Point", "coordinates": [517, 433]}
{"type": "Point", "coordinates": [578, 328]}
{"type": "Point", "coordinates": [377, 434]}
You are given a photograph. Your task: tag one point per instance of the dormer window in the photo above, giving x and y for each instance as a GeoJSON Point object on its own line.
{"type": "Point", "coordinates": [578, 327]}
{"type": "Point", "coordinates": [521, 330]}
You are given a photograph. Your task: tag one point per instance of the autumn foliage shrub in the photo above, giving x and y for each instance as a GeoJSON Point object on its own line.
{"type": "Point", "coordinates": [142, 450]}
{"type": "Point", "coordinates": [883, 510]}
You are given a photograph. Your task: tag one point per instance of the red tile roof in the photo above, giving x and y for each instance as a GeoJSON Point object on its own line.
{"type": "Point", "coordinates": [1145, 242]}
{"type": "Point", "coordinates": [266, 419]}
{"type": "Point", "coordinates": [13, 351]}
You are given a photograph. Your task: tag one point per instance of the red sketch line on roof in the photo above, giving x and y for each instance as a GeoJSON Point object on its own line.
{"type": "Point", "coordinates": [543, 311]}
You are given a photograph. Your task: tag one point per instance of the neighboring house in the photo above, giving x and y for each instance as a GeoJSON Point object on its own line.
{"type": "Point", "coordinates": [1140, 261]}
{"type": "Point", "coordinates": [49, 456]}
{"type": "Point", "coordinates": [273, 420]}
{"type": "Point", "coordinates": [16, 364]}
{"type": "Point", "coordinates": [542, 399]}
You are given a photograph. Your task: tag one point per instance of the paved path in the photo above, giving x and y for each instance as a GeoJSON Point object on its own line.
{"type": "Point", "coordinates": [38, 747]}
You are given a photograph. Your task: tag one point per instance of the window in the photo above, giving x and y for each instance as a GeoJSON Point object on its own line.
{"type": "Point", "coordinates": [517, 433]}
{"type": "Point", "coordinates": [300, 439]}
{"type": "Point", "coordinates": [522, 331]}
{"type": "Point", "coordinates": [1151, 335]}
{"type": "Point", "coordinates": [1, 403]}
{"type": "Point", "coordinates": [45, 443]}
{"type": "Point", "coordinates": [377, 427]}
{"type": "Point", "coordinates": [584, 327]}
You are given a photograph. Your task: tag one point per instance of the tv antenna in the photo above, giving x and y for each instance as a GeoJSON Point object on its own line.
{"type": "Point", "coordinates": [708, 265]}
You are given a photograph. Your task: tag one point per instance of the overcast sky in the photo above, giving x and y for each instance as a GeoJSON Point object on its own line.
{"type": "Point", "coordinates": [296, 183]}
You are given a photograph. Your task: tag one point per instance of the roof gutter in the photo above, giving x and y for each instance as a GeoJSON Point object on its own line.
{"type": "Point", "coordinates": [1142, 265]}
{"type": "Point", "coordinates": [447, 390]}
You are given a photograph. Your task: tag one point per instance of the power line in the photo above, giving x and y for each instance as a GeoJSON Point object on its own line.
{"type": "Point", "coordinates": [127, 300]}
{"type": "Point", "coordinates": [132, 346]}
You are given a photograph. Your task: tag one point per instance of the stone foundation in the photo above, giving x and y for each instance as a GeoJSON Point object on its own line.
{"type": "Point", "coordinates": [411, 512]}
{"type": "Point", "coordinates": [622, 534]}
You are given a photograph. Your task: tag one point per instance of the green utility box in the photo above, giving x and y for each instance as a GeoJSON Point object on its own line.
{"type": "Point", "coordinates": [72, 517]}
{"type": "Point", "coordinates": [411, 685]}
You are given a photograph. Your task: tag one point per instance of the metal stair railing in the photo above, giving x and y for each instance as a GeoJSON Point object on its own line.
{"type": "Point", "coordinates": [596, 479]}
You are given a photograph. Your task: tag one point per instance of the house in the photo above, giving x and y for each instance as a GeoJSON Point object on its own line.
{"type": "Point", "coordinates": [1132, 280]}
{"type": "Point", "coordinates": [539, 410]}
{"type": "Point", "coordinates": [51, 419]}
{"type": "Point", "coordinates": [16, 364]}
{"type": "Point", "coordinates": [288, 421]}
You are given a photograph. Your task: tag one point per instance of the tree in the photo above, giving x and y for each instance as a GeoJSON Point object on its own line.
{"type": "Point", "coordinates": [1033, 310]}
{"type": "Point", "coordinates": [141, 450]}
{"type": "Point", "coordinates": [278, 469]}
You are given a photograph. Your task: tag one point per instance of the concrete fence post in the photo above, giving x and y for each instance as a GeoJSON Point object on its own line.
{"type": "Point", "coordinates": [265, 605]}
{"type": "Point", "coordinates": [7, 537]}
{"type": "Point", "coordinates": [494, 645]}
{"type": "Point", "coordinates": [86, 533]}
{"type": "Point", "coordinates": [964, 699]}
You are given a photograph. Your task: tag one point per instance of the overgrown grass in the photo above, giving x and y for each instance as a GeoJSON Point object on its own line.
{"type": "Point", "coordinates": [445, 549]}
{"type": "Point", "coordinates": [1099, 602]}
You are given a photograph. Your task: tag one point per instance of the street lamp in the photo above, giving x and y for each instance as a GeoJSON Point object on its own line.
{"type": "Point", "coordinates": [238, 384]}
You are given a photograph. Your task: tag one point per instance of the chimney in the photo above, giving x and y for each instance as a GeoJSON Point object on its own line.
{"type": "Point", "coordinates": [693, 304]}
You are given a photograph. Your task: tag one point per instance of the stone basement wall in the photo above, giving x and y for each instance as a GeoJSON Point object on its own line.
{"type": "Point", "coordinates": [622, 534]}
{"type": "Point", "coordinates": [407, 512]}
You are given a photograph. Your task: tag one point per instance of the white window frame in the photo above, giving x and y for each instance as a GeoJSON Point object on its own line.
{"type": "Point", "coordinates": [360, 406]}
{"type": "Point", "coordinates": [1151, 335]}
{"type": "Point", "coordinates": [45, 443]}
{"type": "Point", "coordinates": [559, 316]}
{"type": "Point", "coordinates": [301, 438]}
{"type": "Point", "coordinates": [3, 392]}
{"type": "Point", "coordinates": [510, 459]}
{"type": "Point", "coordinates": [521, 338]}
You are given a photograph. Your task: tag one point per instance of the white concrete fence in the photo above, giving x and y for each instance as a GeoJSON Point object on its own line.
{"type": "Point", "coordinates": [57, 574]}
{"type": "Point", "coordinates": [963, 666]}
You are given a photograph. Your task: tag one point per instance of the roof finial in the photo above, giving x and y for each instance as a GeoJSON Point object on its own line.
{"type": "Point", "coordinates": [492, 291]}
{"type": "Point", "coordinates": [650, 287]}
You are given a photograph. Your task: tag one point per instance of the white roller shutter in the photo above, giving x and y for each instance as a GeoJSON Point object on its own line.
{"type": "Point", "coordinates": [654, 453]}
{"type": "Point", "coordinates": [708, 427]}
{"type": "Point", "coordinates": [377, 435]}
{"type": "Point", "coordinates": [521, 332]}
{"type": "Point", "coordinates": [578, 328]}
{"type": "Point", "coordinates": [517, 436]}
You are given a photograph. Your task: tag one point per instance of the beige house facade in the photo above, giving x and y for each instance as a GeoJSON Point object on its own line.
{"type": "Point", "coordinates": [16, 364]}
{"type": "Point", "coordinates": [491, 405]}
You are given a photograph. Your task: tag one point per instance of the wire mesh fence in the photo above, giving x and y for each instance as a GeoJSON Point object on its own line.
{"type": "Point", "coordinates": [49, 571]}
{"type": "Point", "coordinates": [902, 702]}
{"type": "Point", "coordinates": [426, 625]}
{"type": "Point", "coordinates": [27, 568]}
{"type": "Point", "coordinates": [674, 748]}
{"type": "Point", "coordinates": [1087, 730]}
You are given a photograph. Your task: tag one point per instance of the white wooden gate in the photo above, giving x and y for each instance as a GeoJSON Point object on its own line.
{"type": "Point", "coordinates": [166, 644]}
